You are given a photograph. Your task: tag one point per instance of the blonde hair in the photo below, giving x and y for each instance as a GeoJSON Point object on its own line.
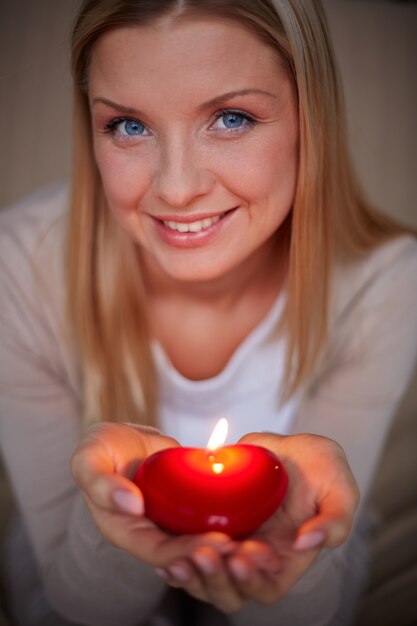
{"type": "Point", "coordinates": [330, 215]}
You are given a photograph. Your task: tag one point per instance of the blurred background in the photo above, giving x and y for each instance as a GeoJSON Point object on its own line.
{"type": "Point", "coordinates": [376, 46]}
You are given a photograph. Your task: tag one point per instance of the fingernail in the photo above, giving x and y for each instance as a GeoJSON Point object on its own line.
{"type": "Point", "coordinates": [128, 502]}
{"type": "Point", "coordinates": [204, 563]}
{"type": "Point", "coordinates": [179, 572]}
{"type": "Point", "coordinates": [239, 570]}
{"type": "Point", "coordinates": [162, 573]}
{"type": "Point", "coordinates": [309, 540]}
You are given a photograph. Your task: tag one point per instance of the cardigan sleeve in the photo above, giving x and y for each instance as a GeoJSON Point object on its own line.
{"type": "Point", "coordinates": [353, 400]}
{"type": "Point", "coordinates": [370, 359]}
{"type": "Point", "coordinates": [86, 579]}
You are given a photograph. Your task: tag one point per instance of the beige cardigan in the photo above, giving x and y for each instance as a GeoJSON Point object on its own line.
{"type": "Point", "coordinates": [351, 398]}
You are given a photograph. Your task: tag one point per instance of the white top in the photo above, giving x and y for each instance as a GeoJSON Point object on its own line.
{"type": "Point", "coordinates": [352, 398]}
{"type": "Point", "coordinates": [247, 392]}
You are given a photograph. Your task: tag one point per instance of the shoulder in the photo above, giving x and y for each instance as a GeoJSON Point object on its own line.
{"type": "Point", "coordinates": [390, 270]}
{"type": "Point", "coordinates": [26, 223]}
{"type": "Point", "coordinates": [32, 269]}
{"type": "Point", "coordinates": [373, 308]}
{"type": "Point", "coordinates": [32, 237]}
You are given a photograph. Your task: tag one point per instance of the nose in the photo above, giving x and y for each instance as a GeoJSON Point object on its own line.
{"type": "Point", "coordinates": [180, 177]}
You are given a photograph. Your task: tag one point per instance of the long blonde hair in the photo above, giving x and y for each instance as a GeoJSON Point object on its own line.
{"type": "Point", "coordinates": [330, 215]}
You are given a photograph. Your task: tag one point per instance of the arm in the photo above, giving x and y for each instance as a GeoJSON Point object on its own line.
{"type": "Point", "coordinates": [87, 580]}
{"type": "Point", "coordinates": [353, 400]}
{"type": "Point", "coordinates": [370, 361]}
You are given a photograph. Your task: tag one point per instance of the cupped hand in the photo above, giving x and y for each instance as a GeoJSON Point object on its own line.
{"type": "Point", "coordinates": [103, 467]}
{"type": "Point", "coordinates": [322, 495]}
{"type": "Point", "coordinates": [318, 512]}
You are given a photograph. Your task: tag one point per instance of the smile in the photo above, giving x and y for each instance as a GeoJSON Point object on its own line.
{"type": "Point", "coordinates": [193, 227]}
{"type": "Point", "coordinates": [187, 231]}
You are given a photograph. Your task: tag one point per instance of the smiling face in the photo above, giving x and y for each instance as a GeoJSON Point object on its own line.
{"type": "Point", "coordinates": [196, 139]}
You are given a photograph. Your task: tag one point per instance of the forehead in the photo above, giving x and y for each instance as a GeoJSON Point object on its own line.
{"type": "Point", "coordinates": [195, 54]}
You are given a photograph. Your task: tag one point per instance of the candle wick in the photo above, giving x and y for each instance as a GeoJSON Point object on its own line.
{"type": "Point", "coordinates": [218, 468]}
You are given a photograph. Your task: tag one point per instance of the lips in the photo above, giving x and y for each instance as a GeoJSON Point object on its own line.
{"type": "Point", "coordinates": [192, 227]}
{"type": "Point", "coordinates": [183, 218]}
{"type": "Point", "coordinates": [191, 230]}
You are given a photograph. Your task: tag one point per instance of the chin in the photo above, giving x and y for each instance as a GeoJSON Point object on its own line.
{"type": "Point", "coordinates": [195, 275]}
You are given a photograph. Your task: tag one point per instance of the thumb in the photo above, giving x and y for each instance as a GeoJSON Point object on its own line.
{"type": "Point", "coordinates": [329, 529]}
{"type": "Point", "coordinates": [102, 486]}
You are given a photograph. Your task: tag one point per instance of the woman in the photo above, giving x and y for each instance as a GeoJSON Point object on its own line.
{"type": "Point", "coordinates": [220, 259]}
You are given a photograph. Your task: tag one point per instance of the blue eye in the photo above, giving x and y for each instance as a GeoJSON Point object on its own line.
{"type": "Point", "coordinates": [233, 120]}
{"type": "Point", "coordinates": [126, 127]}
{"type": "Point", "coordinates": [133, 128]}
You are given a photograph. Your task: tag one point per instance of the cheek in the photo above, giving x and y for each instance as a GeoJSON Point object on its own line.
{"type": "Point", "coordinates": [282, 172]}
{"type": "Point", "coordinates": [266, 172]}
{"type": "Point", "coordinates": [124, 178]}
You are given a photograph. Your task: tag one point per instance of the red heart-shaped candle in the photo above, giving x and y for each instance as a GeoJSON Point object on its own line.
{"type": "Point", "coordinates": [234, 489]}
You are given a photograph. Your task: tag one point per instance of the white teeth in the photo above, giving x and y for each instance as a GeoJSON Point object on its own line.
{"type": "Point", "coordinates": [193, 227]}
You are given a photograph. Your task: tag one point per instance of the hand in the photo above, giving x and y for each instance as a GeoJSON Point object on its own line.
{"type": "Point", "coordinates": [103, 466]}
{"type": "Point", "coordinates": [318, 512]}
{"type": "Point", "coordinates": [323, 495]}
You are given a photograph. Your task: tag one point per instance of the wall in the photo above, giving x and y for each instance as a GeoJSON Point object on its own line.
{"type": "Point", "coordinates": [376, 46]}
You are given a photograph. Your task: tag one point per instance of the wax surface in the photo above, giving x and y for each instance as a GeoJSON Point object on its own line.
{"type": "Point", "coordinates": [233, 490]}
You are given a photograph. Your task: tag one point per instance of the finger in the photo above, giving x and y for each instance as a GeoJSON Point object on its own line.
{"type": "Point", "coordinates": [94, 472]}
{"type": "Point", "coordinates": [333, 523]}
{"type": "Point", "coordinates": [144, 540]}
{"type": "Point", "coordinates": [254, 584]}
{"type": "Point", "coordinates": [183, 575]}
{"type": "Point", "coordinates": [262, 439]}
{"type": "Point", "coordinates": [219, 586]}
{"type": "Point", "coordinates": [107, 449]}
{"type": "Point", "coordinates": [259, 556]}
{"type": "Point", "coordinates": [114, 495]}
{"type": "Point", "coordinates": [255, 567]}
{"type": "Point", "coordinates": [168, 548]}
{"type": "Point", "coordinates": [121, 447]}
{"type": "Point", "coordinates": [321, 532]}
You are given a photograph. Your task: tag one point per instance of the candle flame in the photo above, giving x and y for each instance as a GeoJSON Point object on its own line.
{"type": "Point", "coordinates": [219, 434]}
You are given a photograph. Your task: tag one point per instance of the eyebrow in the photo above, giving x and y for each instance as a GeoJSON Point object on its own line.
{"type": "Point", "coordinates": [219, 100]}
{"type": "Point", "coordinates": [115, 105]}
{"type": "Point", "coordinates": [232, 94]}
